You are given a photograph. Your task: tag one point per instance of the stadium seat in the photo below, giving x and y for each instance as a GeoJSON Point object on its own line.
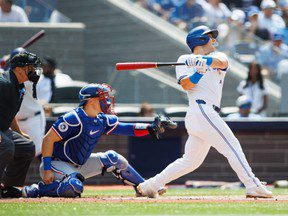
{"type": "Point", "coordinates": [245, 51]}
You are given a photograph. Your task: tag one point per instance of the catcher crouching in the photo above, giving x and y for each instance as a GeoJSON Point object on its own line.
{"type": "Point", "coordinates": [67, 157]}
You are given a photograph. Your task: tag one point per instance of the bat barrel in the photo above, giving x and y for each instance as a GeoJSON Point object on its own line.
{"type": "Point", "coordinates": [135, 65]}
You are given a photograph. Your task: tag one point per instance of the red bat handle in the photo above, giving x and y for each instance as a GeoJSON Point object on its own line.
{"type": "Point", "coordinates": [135, 65]}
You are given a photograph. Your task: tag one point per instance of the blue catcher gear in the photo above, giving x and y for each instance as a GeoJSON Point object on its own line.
{"type": "Point", "coordinates": [119, 166]}
{"type": "Point", "coordinates": [198, 36]}
{"type": "Point", "coordinates": [102, 91]}
{"type": "Point", "coordinates": [70, 186]}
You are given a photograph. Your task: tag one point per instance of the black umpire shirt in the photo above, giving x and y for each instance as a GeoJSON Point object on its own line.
{"type": "Point", "coordinates": [11, 96]}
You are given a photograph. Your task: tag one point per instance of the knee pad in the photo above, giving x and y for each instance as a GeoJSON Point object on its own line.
{"type": "Point", "coordinates": [111, 161]}
{"type": "Point", "coordinates": [119, 166]}
{"type": "Point", "coordinates": [70, 186]}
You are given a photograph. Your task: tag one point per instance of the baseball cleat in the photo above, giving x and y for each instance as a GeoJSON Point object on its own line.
{"type": "Point", "coordinates": [30, 191]}
{"type": "Point", "coordinates": [258, 192]}
{"type": "Point", "coordinates": [161, 191]}
{"type": "Point", "coordinates": [145, 190]}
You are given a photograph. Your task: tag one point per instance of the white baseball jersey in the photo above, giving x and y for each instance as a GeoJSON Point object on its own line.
{"type": "Point", "coordinates": [209, 88]}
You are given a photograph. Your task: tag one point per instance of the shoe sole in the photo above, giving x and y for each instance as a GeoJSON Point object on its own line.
{"type": "Point", "coordinates": [140, 193]}
{"type": "Point", "coordinates": [162, 191]}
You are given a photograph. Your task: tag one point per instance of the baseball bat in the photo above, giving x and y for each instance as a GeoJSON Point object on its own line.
{"type": "Point", "coordinates": [143, 65]}
{"type": "Point", "coordinates": [33, 39]}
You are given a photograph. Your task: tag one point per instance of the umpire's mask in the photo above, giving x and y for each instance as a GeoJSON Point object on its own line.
{"type": "Point", "coordinates": [34, 64]}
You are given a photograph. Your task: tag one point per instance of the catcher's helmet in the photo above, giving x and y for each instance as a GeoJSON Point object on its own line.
{"type": "Point", "coordinates": [102, 91]}
{"type": "Point", "coordinates": [198, 36]}
{"type": "Point", "coordinates": [17, 51]}
{"type": "Point", "coordinates": [24, 59]}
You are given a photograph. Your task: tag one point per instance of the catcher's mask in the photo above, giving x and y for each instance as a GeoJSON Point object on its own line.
{"type": "Point", "coordinates": [103, 91]}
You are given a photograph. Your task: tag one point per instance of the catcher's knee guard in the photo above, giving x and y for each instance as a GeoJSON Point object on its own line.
{"type": "Point", "coordinates": [70, 186]}
{"type": "Point", "coordinates": [119, 166]}
{"type": "Point", "coordinates": [111, 161]}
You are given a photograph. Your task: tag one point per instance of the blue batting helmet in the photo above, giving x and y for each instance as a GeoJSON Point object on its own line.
{"type": "Point", "coordinates": [17, 51]}
{"type": "Point", "coordinates": [101, 91]}
{"type": "Point", "coordinates": [198, 36]}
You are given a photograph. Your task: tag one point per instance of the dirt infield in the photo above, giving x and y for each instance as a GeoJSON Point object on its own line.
{"type": "Point", "coordinates": [164, 199]}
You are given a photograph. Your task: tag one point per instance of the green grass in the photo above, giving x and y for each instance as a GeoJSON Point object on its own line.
{"type": "Point", "coordinates": [151, 208]}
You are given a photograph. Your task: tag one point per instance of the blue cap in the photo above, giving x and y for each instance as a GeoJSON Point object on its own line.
{"type": "Point", "coordinates": [277, 37]}
{"type": "Point", "coordinates": [253, 10]}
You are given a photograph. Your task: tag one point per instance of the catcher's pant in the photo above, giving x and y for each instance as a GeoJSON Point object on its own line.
{"type": "Point", "coordinates": [92, 167]}
{"type": "Point", "coordinates": [16, 154]}
{"type": "Point", "coordinates": [206, 128]}
{"type": "Point", "coordinates": [34, 126]}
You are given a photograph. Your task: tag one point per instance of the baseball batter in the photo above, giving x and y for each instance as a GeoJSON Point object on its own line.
{"type": "Point", "coordinates": [202, 77]}
{"type": "Point", "coordinates": [67, 147]}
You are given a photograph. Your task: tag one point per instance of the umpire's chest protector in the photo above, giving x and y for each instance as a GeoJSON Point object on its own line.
{"type": "Point", "coordinates": [79, 147]}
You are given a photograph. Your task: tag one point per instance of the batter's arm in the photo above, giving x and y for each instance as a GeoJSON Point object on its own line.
{"type": "Point", "coordinates": [217, 61]}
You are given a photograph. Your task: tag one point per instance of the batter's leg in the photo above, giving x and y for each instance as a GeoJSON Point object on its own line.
{"type": "Point", "coordinates": [35, 128]}
{"type": "Point", "coordinates": [195, 152]}
{"type": "Point", "coordinates": [222, 138]}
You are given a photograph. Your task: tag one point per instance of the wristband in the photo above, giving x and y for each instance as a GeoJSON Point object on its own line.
{"type": "Point", "coordinates": [141, 129]}
{"type": "Point", "coordinates": [209, 60]}
{"type": "Point", "coordinates": [47, 163]}
{"type": "Point", "coordinates": [195, 77]}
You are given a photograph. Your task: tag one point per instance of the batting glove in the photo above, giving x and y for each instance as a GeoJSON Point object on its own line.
{"type": "Point", "coordinates": [191, 60]}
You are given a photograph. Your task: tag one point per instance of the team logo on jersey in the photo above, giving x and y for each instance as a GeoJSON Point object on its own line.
{"type": "Point", "coordinates": [63, 127]}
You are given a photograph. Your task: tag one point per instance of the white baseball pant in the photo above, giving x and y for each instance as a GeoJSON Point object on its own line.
{"type": "Point", "coordinates": [206, 128]}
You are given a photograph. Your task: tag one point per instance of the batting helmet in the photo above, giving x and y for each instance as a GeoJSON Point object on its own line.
{"type": "Point", "coordinates": [101, 91]}
{"type": "Point", "coordinates": [17, 51]}
{"type": "Point", "coordinates": [198, 36]}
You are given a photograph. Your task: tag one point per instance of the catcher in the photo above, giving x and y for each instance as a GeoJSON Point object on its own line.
{"type": "Point", "coordinates": [67, 157]}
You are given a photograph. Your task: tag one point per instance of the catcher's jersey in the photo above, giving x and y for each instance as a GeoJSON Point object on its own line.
{"type": "Point", "coordinates": [80, 134]}
{"type": "Point", "coordinates": [209, 88]}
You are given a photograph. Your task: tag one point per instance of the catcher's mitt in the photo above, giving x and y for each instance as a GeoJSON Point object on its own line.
{"type": "Point", "coordinates": [160, 123]}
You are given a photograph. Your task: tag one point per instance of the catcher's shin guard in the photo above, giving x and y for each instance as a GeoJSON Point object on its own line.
{"type": "Point", "coordinates": [129, 176]}
{"type": "Point", "coordinates": [70, 186]}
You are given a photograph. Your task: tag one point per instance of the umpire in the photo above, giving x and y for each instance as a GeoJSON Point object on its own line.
{"type": "Point", "coordinates": [16, 149]}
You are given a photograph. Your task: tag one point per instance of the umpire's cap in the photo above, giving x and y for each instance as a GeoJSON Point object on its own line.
{"type": "Point", "coordinates": [198, 36]}
{"type": "Point", "coordinates": [25, 59]}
